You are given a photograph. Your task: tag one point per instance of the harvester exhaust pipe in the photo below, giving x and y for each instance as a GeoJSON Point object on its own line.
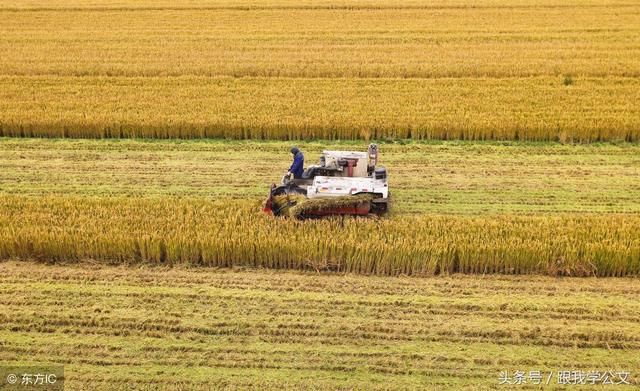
{"type": "Point", "coordinates": [373, 157]}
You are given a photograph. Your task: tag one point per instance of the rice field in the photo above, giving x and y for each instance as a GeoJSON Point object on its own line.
{"type": "Point", "coordinates": [226, 234]}
{"type": "Point", "coordinates": [119, 328]}
{"type": "Point", "coordinates": [539, 70]}
{"type": "Point", "coordinates": [454, 178]}
{"type": "Point", "coordinates": [199, 203]}
{"type": "Point", "coordinates": [138, 140]}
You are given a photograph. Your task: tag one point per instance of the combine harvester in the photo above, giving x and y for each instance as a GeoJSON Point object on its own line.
{"type": "Point", "coordinates": [344, 183]}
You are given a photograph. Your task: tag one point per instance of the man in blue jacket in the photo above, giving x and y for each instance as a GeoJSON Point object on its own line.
{"type": "Point", "coordinates": [298, 163]}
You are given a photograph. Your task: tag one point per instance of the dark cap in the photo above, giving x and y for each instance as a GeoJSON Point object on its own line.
{"type": "Point", "coordinates": [294, 150]}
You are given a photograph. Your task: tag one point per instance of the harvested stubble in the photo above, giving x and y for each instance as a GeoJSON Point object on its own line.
{"type": "Point", "coordinates": [204, 329]}
{"type": "Point", "coordinates": [440, 178]}
{"type": "Point", "coordinates": [235, 233]}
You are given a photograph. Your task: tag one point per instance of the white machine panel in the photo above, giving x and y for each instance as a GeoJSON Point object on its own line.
{"type": "Point", "coordinates": [324, 186]}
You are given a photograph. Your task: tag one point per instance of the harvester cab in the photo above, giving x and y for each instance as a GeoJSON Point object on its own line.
{"type": "Point", "coordinates": [343, 183]}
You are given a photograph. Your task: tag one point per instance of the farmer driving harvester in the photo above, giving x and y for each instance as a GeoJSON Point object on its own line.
{"type": "Point", "coordinates": [297, 167]}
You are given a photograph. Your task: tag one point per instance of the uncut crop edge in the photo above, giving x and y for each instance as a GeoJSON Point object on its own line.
{"type": "Point", "coordinates": [286, 132]}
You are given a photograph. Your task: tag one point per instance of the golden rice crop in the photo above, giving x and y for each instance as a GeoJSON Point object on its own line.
{"type": "Point", "coordinates": [171, 231]}
{"type": "Point", "coordinates": [351, 39]}
{"type": "Point", "coordinates": [292, 109]}
{"type": "Point", "coordinates": [284, 69]}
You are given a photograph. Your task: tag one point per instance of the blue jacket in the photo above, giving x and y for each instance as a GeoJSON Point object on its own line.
{"type": "Point", "coordinates": [297, 167]}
